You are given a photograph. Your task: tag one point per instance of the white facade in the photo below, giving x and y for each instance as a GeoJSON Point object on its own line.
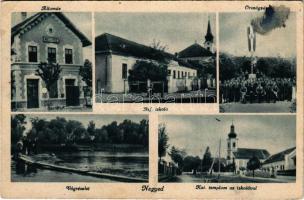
{"type": "Point", "coordinates": [180, 78]}
{"type": "Point", "coordinates": [110, 79]}
{"type": "Point", "coordinates": [288, 163]}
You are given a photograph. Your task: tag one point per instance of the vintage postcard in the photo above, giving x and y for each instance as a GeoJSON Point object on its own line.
{"type": "Point", "coordinates": [152, 99]}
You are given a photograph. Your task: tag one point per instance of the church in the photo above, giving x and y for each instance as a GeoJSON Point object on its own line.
{"type": "Point", "coordinates": [240, 156]}
{"type": "Point", "coordinates": [46, 37]}
{"type": "Point", "coordinates": [203, 57]}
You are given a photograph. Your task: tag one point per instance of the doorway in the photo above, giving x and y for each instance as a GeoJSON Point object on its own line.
{"type": "Point", "coordinates": [32, 86]}
{"type": "Point", "coordinates": [72, 93]}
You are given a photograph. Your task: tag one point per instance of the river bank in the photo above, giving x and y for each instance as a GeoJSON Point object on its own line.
{"type": "Point", "coordinates": [127, 164]}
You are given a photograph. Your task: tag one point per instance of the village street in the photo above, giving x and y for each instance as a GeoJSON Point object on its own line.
{"type": "Point", "coordinates": [189, 178]}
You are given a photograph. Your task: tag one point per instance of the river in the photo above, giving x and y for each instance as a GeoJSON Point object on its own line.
{"type": "Point", "coordinates": [130, 164]}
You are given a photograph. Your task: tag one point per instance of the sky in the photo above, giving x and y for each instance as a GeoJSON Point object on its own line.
{"type": "Point", "coordinates": [194, 133]}
{"type": "Point", "coordinates": [82, 21]}
{"type": "Point", "coordinates": [233, 36]}
{"type": "Point", "coordinates": [176, 30]}
{"type": "Point", "coordinates": [99, 120]}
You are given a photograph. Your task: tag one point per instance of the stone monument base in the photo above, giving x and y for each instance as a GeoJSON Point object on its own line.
{"type": "Point", "coordinates": [252, 76]}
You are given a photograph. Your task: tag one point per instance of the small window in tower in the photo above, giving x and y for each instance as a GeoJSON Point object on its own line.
{"type": "Point", "coordinates": [174, 74]}
{"type": "Point", "coordinates": [234, 144]}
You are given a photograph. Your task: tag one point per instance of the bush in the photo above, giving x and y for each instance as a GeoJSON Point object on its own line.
{"type": "Point", "coordinates": [258, 173]}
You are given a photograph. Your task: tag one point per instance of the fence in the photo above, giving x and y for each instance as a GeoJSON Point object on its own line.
{"type": "Point", "coordinates": [142, 86]}
{"type": "Point", "coordinates": [168, 169]}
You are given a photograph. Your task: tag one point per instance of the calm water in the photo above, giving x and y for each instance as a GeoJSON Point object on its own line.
{"type": "Point", "coordinates": [119, 163]}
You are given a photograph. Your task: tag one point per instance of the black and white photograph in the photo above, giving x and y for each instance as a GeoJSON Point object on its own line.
{"type": "Point", "coordinates": [227, 149]}
{"type": "Point", "coordinates": [79, 148]}
{"type": "Point", "coordinates": [51, 61]}
{"type": "Point", "coordinates": [155, 57]}
{"type": "Point", "coordinates": [258, 61]}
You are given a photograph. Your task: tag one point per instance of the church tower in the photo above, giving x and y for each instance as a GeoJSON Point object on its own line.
{"type": "Point", "coordinates": [231, 143]}
{"type": "Point", "coordinates": [208, 44]}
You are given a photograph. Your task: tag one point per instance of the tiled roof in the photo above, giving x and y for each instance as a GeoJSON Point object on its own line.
{"type": "Point", "coordinates": [108, 43]}
{"type": "Point", "coordinates": [195, 50]}
{"type": "Point", "coordinates": [244, 153]}
{"type": "Point", "coordinates": [278, 156]}
{"type": "Point", "coordinates": [117, 45]}
{"type": "Point", "coordinates": [19, 27]}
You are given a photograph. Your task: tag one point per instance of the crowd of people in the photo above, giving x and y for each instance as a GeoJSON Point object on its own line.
{"type": "Point", "coordinates": [257, 90]}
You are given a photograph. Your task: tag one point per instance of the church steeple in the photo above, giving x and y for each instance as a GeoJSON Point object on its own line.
{"type": "Point", "coordinates": [231, 143]}
{"type": "Point", "coordinates": [209, 36]}
{"type": "Point", "coordinates": [208, 44]}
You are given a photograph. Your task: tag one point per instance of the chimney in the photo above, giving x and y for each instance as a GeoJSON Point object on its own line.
{"type": "Point", "coordinates": [23, 16]}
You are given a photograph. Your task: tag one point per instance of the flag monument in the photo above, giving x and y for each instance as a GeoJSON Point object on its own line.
{"type": "Point", "coordinates": [251, 35]}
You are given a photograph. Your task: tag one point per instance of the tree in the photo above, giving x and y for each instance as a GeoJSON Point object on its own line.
{"type": "Point", "coordinates": [191, 163]}
{"type": "Point", "coordinates": [17, 127]}
{"type": "Point", "coordinates": [178, 155]}
{"type": "Point", "coordinates": [49, 73]}
{"type": "Point", "coordinates": [162, 141]}
{"type": "Point", "coordinates": [71, 127]}
{"type": "Point", "coordinates": [86, 72]}
{"type": "Point", "coordinates": [159, 51]}
{"type": "Point", "coordinates": [253, 164]}
{"type": "Point", "coordinates": [91, 130]}
{"type": "Point", "coordinates": [228, 68]}
{"type": "Point", "coordinates": [207, 160]}
{"type": "Point", "coordinates": [144, 70]}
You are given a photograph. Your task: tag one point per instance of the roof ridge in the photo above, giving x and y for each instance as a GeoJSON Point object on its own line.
{"type": "Point", "coordinates": [68, 23]}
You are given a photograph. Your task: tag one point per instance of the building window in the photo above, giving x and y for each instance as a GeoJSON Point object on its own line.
{"type": "Point", "coordinates": [52, 54]}
{"type": "Point", "coordinates": [68, 53]}
{"type": "Point", "coordinates": [124, 71]}
{"type": "Point", "coordinates": [98, 86]}
{"type": "Point", "coordinates": [234, 144]}
{"type": "Point", "coordinates": [182, 74]}
{"type": "Point", "coordinates": [54, 90]}
{"type": "Point", "coordinates": [32, 54]}
{"type": "Point", "coordinates": [169, 72]}
{"type": "Point", "coordinates": [188, 74]}
{"type": "Point", "coordinates": [174, 74]}
{"type": "Point", "coordinates": [228, 145]}
{"type": "Point", "coordinates": [178, 74]}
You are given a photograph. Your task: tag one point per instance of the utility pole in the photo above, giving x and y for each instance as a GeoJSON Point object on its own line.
{"type": "Point", "coordinates": [219, 160]}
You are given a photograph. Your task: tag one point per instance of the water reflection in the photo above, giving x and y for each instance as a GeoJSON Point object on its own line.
{"type": "Point", "coordinates": [119, 163]}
